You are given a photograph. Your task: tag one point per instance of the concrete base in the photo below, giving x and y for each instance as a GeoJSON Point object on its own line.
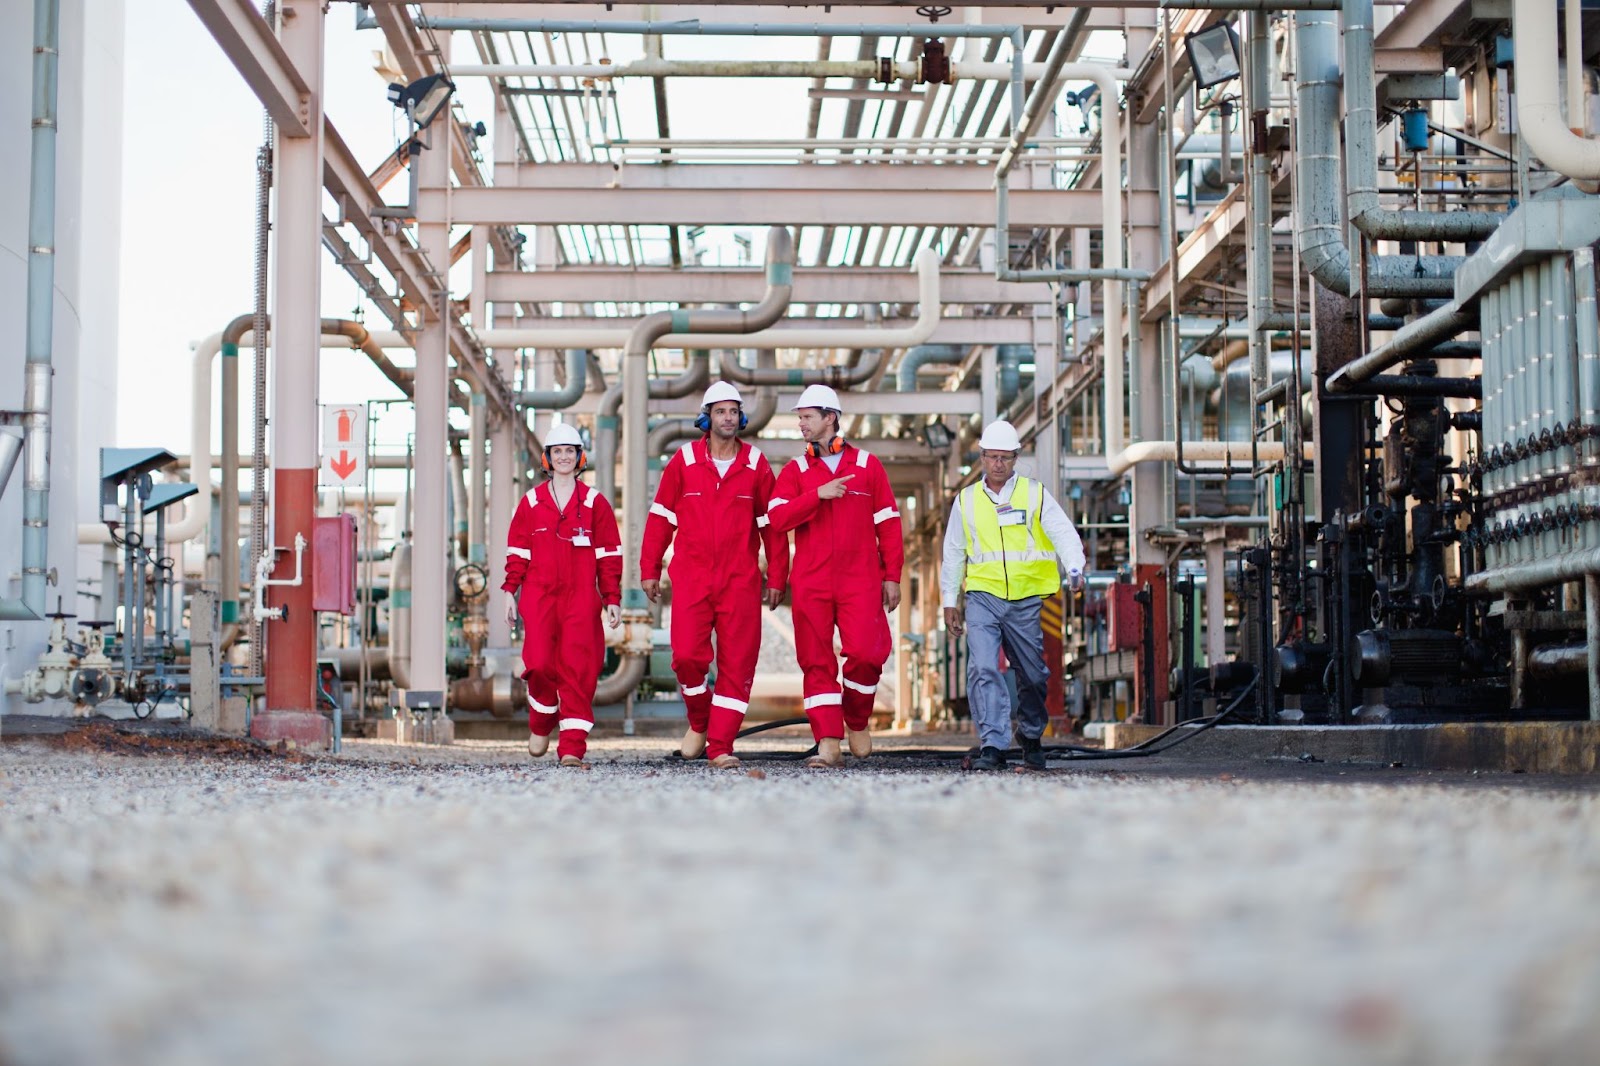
{"type": "Point", "coordinates": [1505, 747]}
{"type": "Point", "coordinates": [306, 730]}
{"type": "Point", "coordinates": [408, 730]}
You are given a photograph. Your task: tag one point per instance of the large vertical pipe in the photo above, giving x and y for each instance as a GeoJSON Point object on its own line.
{"type": "Point", "coordinates": [1588, 344]}
{"type": "Point", "coordinates": [41, 323]}
{"type": "Point", "coordinates": [1591, 595]}
{"type": "Point", "coordinates": [430, 556]}
{"type": "Point", "coordinates": [291, 643]}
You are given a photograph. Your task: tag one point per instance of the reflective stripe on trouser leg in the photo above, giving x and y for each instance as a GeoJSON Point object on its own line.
{"type": "Point", "coordinates": [825, 714]}
{"type": "Point", "coordinates": [691, 656]}
{"type": "Point", "coordinates": [865, 641]}
{"type": "Point", "coordinates": [727, 715]}
{"type": "Point", "coordinates": [540, 657]}
{"type": "Point", "coordinates": [583, 651]}
{"type": "Point", "coordinates": [814, 613]}
{"type": "Point", "coordinates": [737, 620]}
{"type": "Point", "coordinates": [987, 697]}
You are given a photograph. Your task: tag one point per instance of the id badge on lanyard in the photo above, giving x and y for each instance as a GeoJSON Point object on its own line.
{"type": "Point", "coordinates": [1010, 516]}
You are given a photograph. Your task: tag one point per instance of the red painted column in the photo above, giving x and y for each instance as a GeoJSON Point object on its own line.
{"type": "Point", "coordinates": [291, 711]}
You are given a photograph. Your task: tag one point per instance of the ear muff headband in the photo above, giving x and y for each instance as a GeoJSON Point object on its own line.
{"type": "Point", "coordinates": [583, 459]}
{"type": "Point", "coordinates": [703, 423]}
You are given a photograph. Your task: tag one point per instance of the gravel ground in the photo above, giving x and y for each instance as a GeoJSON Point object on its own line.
{"type": "Point", "coordinates": [463, 906]}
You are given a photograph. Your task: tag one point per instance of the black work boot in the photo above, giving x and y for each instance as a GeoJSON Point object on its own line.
{"type": "Point", "coordinates": [990, 759]}
{"type": "Point", "coordinates": [1032, 752]}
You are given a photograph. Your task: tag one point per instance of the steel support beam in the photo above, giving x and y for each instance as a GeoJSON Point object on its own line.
{"type": "Point", "coordinates": [812, 285]}
{"type": "Point", "coordinates": [991, 330]}
{"type": "Point", "coordinates": [430, 558]}
{"type": "Point", "coordinates": [249, 43]}
{"type": "Point", "coordinates": [851, 197]}
{"type": "Point", "coordinates": [930, 402]}
{"type": "Point", "coordinates": [291, 712]}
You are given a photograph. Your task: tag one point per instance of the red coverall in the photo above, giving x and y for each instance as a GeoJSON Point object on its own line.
{"type": "Point", "coordinates": [844, 550]}
{"type": "Point", "coordinates": [568, 564]}
{"type": "Point", "coordinates": [720, 525]}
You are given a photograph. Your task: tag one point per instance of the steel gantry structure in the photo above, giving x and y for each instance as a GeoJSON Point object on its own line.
{"type": "Point", "coordinates": [1028, 211]}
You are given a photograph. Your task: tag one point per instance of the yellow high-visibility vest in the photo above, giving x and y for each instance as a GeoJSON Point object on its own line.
{"type": "Point", "coordinates": [1013, 561]}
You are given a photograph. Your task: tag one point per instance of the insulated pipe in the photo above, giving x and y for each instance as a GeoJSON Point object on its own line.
{"type": "Point", "coordinates": [458, 502]}
{"type": "Point", "coordinates": [1320, 228]}
{"type": "Point", "coordinates": [615, 687]}
{"type": "Point", "coordinates": [400, 615]}
{"type": "Point", "coordinates": [1539, 93]}
{"type": "Point", "coordinates": [1550, 570]}
{"type": "Point", "coordinates": [568, 394]}
{"type": "Point", "coordinates": [1361, 152]}
{"type": "Point", "coordinates": [196, 512]}
{"type": "Point", "coordinates": [1008, 370]}
{"type": "Point", "coordinates": [1414, 339]}
{"type": "Point", "coordinates": [477, 481]}
{"type": "Point", "coordinates": [923, 355]}
{"type": "Point", "coordinates": [41, 323]}
{"type": "Point", "coordinates": [694, 376]}
{"type": "Point", "coordinates": [901, 70]}
{"type": "Point", "coordinates": [928, 315]}
{"type": "Point", "coordinates": [636, 384]}
{"type": "Point", "coordinates": [868, 360]}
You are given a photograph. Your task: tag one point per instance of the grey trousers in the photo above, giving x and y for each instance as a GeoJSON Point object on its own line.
{"type": "Point", "coordinates": [993, 623]}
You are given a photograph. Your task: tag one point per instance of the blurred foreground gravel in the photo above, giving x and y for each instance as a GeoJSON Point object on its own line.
{"type": "Point", "coordinates": [465, 906]}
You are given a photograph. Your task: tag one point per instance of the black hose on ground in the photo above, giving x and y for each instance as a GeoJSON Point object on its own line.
{"type": "Point", "coordinates": [1059, 752]}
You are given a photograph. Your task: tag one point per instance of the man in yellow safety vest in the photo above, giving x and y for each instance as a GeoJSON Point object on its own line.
{"type": "Point", "coordinates": [1004, 541]}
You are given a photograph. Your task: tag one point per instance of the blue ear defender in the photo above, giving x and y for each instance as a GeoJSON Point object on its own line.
{"type": "Point", "coordinates": [703, 423]}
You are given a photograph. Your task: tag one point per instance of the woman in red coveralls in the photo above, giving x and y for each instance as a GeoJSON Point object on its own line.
{"type": "Point", "coordinates": [563, 562]}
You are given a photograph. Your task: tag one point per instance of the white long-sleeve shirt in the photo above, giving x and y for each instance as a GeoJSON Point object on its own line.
{"type": "Point", "coordinates": [1057, 526]}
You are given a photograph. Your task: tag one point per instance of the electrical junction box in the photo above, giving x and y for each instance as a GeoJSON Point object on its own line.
{"type": "Point", "coordinates": [1124, 617]}
{"type": "Point", "coordinates": [333, 564]}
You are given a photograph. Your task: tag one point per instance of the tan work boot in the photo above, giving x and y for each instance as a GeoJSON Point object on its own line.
{"type": "Point", "coordinates": [693, 746]}
{"type": "Point", "coordinates": [828, 755]}
{"type": "Point", "coordinates": [860, 742]}
{"type": "Point", "coordinates": [573, 760]}
{"type": "Point", "coordinates": [538, 745]}
{"type": "Point", "coordinates": [726, 762]}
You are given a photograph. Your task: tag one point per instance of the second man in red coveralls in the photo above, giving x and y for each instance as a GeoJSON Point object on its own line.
{"type": "Point", "coordinates": [563, 562]}
{"type": "Point", "coordinates": [846, 573]}
{"type": "Point", "coordinates": [711, 506]}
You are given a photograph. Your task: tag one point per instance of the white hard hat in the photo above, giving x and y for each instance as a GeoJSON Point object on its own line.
{"type": "Point", "coordinates": [721, 392]}
{"type": "Point", "coordinates": [563, 434]}
{"type": "Point", "coordinates": [1000, 436]}
{"type": "Point", "coordinates": [818, 396]}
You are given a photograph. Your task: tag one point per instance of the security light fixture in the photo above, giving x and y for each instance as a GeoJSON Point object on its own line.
{"type": "Point", "coordinates": [423, 99]}
{"type": "Point", "coordinates": [937, 436]}
{"type": "Point", "coordinates": [1213, 55]}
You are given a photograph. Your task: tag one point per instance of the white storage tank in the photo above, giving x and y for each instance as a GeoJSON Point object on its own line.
{"type": "Point", "coordinates": [88, 227]}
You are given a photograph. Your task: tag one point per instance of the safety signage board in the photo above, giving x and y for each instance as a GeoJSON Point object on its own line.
{"type": "Point", "coordinates": [344, 444]}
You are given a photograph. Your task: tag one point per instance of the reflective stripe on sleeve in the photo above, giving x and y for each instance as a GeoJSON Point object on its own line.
{"type": "Point", "coordinates": [884, 515]}
{"type": "Point", "coordinates": [656, 508]}
{"type": "Point", "coordinates": [520, 553]}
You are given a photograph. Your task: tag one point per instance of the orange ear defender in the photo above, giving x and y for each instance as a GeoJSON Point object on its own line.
{"type": "Point", "coordinates": [583, 460]}
{"type": "Point", "coordinates": [818, 451]}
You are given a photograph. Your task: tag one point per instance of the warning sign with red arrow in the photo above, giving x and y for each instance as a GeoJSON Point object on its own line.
{"type": "Point", "coordinates": [344, 444]}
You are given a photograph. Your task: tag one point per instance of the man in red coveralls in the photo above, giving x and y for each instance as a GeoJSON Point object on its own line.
{"type": "Point", "coordinates": [846, 572]}
{"type": "Point", "coordinates": [564, 555]}
{"type": "Point", "coordinates": [712, 506]}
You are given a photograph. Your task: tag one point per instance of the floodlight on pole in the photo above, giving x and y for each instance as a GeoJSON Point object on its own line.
{"type": "Point", "coordinates": [423, 99]}
{"type": "Point", "coordinates": [1213, 55]}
